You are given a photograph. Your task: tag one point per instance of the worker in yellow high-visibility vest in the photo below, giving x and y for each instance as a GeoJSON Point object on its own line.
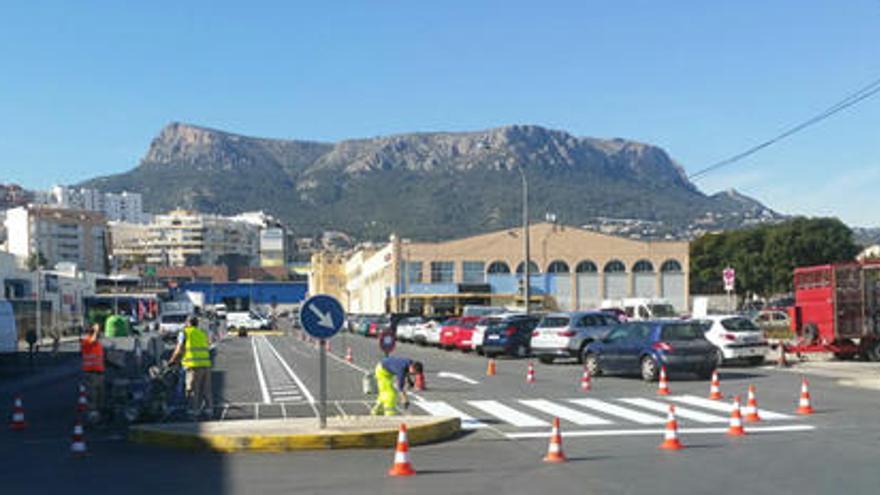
{"type": "Point", "coordinates": [193, 350]}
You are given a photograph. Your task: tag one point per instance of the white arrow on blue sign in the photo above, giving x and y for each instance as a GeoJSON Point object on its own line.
{"type": "Point", "coordinates": [321, 316]}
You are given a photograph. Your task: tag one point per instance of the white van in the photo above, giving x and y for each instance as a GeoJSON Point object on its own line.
{"type": "Point", "coordinates": [8, 330]}
{"type": "Point", "coordinates": [248, 320]}
{"type": "Point", "coordinates": [642, 308]}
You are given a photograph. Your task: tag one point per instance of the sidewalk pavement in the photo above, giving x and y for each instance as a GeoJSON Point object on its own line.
{"type": "Point", "coordinates": [281, 435]}
{"type": "Point", "coordinates": [848, 373]}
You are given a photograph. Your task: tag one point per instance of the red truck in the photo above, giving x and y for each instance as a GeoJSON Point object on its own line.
{"type": "Point", "coordinates": [837, 309]}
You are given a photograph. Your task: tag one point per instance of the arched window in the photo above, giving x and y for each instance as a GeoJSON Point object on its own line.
{"type": "Point", "coordinates": [558, 267]}
{"type": "Point", "coordinates": [670, 266]}
{"type": "Point", "coordinates": [533, 268]}
{"type": "Point", "coordinates": [498, 267]}
{"type": "Point", "coordinates": [615, 266]}
{"type": "Point", "coordinates": [643, 266]}
{"type": "Point", "coordinates": [586, 266]}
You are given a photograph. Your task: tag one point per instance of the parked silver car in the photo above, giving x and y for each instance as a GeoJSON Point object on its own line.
{"type": "Point", "coordinates": [565, 335]}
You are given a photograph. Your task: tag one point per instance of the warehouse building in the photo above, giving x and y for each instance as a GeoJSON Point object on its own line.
{"type": "Point", "coordinates": [571, 268]}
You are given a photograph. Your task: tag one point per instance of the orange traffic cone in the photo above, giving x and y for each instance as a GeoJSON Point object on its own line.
{"type": "Point", "coordinates": [78, 444]}
{"type": "Point", "coordinates": [586, 381]}
{"type": "Point", "coordinates": [17, 423]}
{"type": "Point", "coordinates": [490, 368]}
{"type": "Point", "coordinates": [736, 420]}
{"type": "Point", "coordinates": [781, 361]}
{"type": "Point", "coordinates": [715, 387]}
{"type": "Point", "coordinates": [402, 466]}
{"type": "Point", "coordinates": [554, 450]}
{"type": "Point", "coordinates": [670, 436]}
{"type": "Point", "coordinates": [82, 403]}
{"type": "Point", "coordinates": [420, 381]}
{"type": "Point", "coordinates": [804, 404]}
{"type": "Point", "coordinates": [348, 356]}
{"type": "Point", "coordinates": [752, 415]}
{"type": "Point", "coordinates": [663, 384]}
{"type": "Point", "coordinates": [530, 373]}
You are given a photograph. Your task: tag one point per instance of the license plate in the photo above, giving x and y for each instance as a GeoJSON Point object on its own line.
{"type": "Point", "coordinates": [492, 337]}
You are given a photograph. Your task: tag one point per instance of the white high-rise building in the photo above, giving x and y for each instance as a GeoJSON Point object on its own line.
{"type": "Point", "coordinates": [118, 207]}
{"type": "Point", "coordinates": [58, 235]}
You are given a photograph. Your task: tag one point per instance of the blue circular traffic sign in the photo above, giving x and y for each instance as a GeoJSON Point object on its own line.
{"type": "Point", "coordinates": [321, 316]}
{"type": "Point", "coordinates": [387, 342]}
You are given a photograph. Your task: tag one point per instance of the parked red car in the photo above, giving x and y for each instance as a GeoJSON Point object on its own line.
{"type": "Point", "coordinates": [456, 330]}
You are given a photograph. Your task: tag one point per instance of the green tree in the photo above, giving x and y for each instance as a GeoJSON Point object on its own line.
{"type": "Point", "coordinates": [765, 256]}
{"type": "Point", "coordinates": [36, 260]}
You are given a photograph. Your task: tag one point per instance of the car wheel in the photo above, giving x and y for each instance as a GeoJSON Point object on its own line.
{"type": "Point", "coordinates": [591, 363]}
{"type": "Point", "coordinates": [522, 351]}
{"type": "Point", "coordinates": [719, 358]}
{"type": "Point", "coordinates": [649, 369]}
{"type": "Point", "coordinates": [480, 351]}
{"type": "Point", "coordinates": [546, 359]}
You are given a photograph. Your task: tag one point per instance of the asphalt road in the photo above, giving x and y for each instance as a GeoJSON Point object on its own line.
{"type": "Point", "coordinates": [611, 442]}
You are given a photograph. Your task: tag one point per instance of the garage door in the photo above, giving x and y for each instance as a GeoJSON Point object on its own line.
{"type": "Point", "coordinates": [588, 291]}
{"type": "Point", "coordinates": [645, 285]}
{"type": "Point", "coordinates": [673, 290]}
{"type": "Point", "coordinates": [561, 287]}
{"type": "Point", "coordinates": [616, 285]}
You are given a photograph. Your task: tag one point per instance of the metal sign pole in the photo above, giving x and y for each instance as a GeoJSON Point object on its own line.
{"type": "Point", "coordinates": [323, 387]}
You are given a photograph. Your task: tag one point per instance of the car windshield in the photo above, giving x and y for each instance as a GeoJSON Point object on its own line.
{"type": "Point", "coordinates": [173, 318]}
{"type": "Point", "coordinates": [662, 310]}
{"type": "Point", "coordinates": [682, 331]}
{"type": "Point", "coordinates": [739, 325]}
{"type": "Point", "coordinates": [554, 321]}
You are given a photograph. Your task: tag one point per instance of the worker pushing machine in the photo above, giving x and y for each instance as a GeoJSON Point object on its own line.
{"type": "Point", "coordinates": [193, 349]}
{"type": "Point", "coordinates": [393, 375]}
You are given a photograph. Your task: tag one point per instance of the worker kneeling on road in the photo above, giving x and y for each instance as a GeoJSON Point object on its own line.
{"type": "Point", "coordinates": [393, 374]}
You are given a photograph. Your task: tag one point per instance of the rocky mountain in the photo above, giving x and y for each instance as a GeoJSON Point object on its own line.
{"type": "Point", "coordinates": [422, 185]}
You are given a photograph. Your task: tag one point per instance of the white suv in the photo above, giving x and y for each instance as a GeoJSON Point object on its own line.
{"type": "Point", "coordinates": [737, 337]}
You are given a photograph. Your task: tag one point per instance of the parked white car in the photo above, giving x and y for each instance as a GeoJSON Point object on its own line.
{"type": "Point", "coordinates": [642, 308]}
{"type": "Point", "coordinates": [170, 324]}
{"type": "Point", "coordinates": [427, 333]}
{"type": "Point", "coordinates": [737, 337]}
{"type": "Point", "coordinates": [247, 320]}
{"type": "Point", "coordinates": [406, 328]}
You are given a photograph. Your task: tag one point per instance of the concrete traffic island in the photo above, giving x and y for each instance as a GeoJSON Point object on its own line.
{"type": "Point", "coordinates": [282, 435]}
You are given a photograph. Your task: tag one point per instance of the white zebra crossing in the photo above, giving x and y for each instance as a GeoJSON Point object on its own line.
{"type": "Point", "coordinates": [725, 406]}
{"type": "Point", "coordinates": [580, 411]}
{"type": "Point", "coordinates": [508, 414]}
{"type": "Point", "coordinates": [566, 413]}
{"type": "Point", "coordinates": [680, 412]}
{"type": "Point", "coordinates": [621, 412]}
{"type": "Point", "coordinates": [439, 408]}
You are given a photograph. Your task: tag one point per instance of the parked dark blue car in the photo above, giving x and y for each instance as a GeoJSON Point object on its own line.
{"type": "Point", "coordinates": [643, 347]}
{"type": "Point", "coordinates": [510, 335]}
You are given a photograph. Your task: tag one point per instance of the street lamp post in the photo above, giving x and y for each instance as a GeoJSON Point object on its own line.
{"type": "Point", "coordinates": [527, 291]}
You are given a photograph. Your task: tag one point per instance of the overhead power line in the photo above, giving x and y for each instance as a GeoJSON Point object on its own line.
{"type": "Point", "coordinates": [854, 98]}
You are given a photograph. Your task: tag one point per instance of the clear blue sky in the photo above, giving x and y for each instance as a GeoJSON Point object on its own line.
{"type": "Point", "coordinates": [84, 86]}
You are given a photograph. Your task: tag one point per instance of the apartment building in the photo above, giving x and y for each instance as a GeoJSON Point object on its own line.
{"type": "Point", "coordinates": [58, 235]}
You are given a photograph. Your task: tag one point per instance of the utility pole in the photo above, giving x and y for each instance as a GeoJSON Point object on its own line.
{"type": "Point", "coordinates": [39, 305]}
{"type": "Point", "coordinates": [527, 291]}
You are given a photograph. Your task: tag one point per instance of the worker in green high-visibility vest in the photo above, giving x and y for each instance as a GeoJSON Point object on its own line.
{"type": "Point", "coordinates": [194, 347]}
{"type": "Point", "coordinates": [116, 326]}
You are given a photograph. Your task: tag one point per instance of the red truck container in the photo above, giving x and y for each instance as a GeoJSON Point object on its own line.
{"type": "Point", "coordinates": [837, 309]}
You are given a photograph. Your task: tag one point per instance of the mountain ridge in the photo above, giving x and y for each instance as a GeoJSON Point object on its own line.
{"type": "Point", "coordinates": [457, 183]}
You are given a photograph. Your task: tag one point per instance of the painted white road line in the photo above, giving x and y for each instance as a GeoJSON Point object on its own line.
{"type": "Point", "coordinates": [290, 372]}
{"type": "Point", "coordinates": [439, 408]}
{"type": "Point", "coordinates": [725, 406]}
{"type": "Point", "coordinates": [262, 379]}
{"type": "Point", "coordinates": [620, 412]}
{"type": "Point", "coordinates": [658, 432]}
{"type": "Point", "coordinates": [680, 412]}
{"type": "Point", "coordinates": [566, 413]}
{"type": "Point", "coordinates": [457, 376]}
{"type": "Point", "coordinates": [507, 414]}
